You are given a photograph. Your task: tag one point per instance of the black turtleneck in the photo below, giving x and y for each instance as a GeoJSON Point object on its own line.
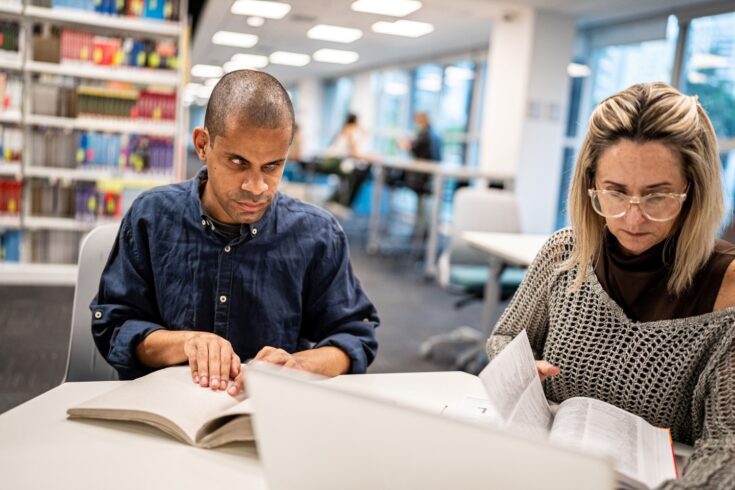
{"type": "Point", "coordinates": [638, 283]}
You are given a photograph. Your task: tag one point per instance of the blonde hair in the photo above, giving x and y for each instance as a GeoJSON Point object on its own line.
{"type": "Point", "coordinates": [642, 113]}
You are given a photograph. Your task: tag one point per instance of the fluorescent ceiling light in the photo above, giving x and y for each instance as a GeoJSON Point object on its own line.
{"type": "Point", "coordinates": [338, 34]}
{"type": "Point", "coordinates": [577, 70]}
{"type": "Point", "coordinates": [394, 8]}
{"type": "Point", "coordinates": [405, 28]}
{"type": "Point", "coordinates": [261, 8]}
{"type": "Point", "coordinates": [192, 88]}
{"type": "Point", "coordinates": [236, 39]}
{"type": "Point", "coordinates": [242, 61]}
{"type": "Point", "coordinates": [336, 56]}
{"type": "Point", "coordinates": [290, 59]}
{"type": "Point", "coordinates": [255, 21]}
{"type": "Point", "coordinates": [206, 71]}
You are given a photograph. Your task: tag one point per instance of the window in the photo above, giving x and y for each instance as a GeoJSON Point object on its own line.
{"type": "Point", "coordinates": [337, 95]}
{"type": "Point", "coordinates": [393, 114]}
{"type": "Point", "coordinates": [709, 69]}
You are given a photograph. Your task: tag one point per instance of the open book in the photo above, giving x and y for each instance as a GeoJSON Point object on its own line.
{"type": "Point", "coordinates": [641, 453]}
{"type": "Point", "coordinates": [169, 400]}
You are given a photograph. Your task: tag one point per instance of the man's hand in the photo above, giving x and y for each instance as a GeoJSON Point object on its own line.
{"type": "Point", "coordinates": [546, 370]}
{"type": "Point", "coordinates": [212, 361]}
{"type": "Point", "coordinates": [327, 361]}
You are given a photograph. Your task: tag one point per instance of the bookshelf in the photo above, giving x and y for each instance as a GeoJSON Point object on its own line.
{"type": "Point", "coordinates": [74, 109]}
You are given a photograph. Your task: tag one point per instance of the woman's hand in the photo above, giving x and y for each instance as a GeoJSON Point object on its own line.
{"type": "Point", "coordinates": [546, 369]}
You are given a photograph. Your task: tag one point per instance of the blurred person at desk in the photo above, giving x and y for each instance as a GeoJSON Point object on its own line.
{"type": "Point", "coordinates": [223, 268]}
{"type": "Point", "coordinates": [426, 145]}
{"type": "Point", "coordinates": [633, 304]}
{"type": "Point", "coordinates": [345, 158]}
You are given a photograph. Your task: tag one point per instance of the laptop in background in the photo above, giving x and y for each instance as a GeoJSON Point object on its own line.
{"type": "Point", "coordinates": [314, 435]}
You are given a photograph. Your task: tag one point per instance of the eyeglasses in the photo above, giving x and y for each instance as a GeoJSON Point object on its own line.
{"type": "Point", "coordinates": [656, 207]}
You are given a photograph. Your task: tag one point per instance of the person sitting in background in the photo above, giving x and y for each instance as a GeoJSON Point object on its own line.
{"type": "Point", "coordinates": [345, 157]}
{"type": "Point", "coordinates": [633, 304]}
{"type": "Point", "coordinates": [224, 268]}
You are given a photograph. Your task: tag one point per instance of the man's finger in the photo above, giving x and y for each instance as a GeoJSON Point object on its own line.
{"type": "Point", "coordinates": [235, 366]}
{"type": "Point", "coordinates": [203, 363]}
{"type": "Point", "coordinates": [238, 385]}
{"type": "Point", "coordinates": [191, 355]}
{"type": "Point", "coordinates": [225, 357]}
{"type": "Point", "coordinates": [214, 353]}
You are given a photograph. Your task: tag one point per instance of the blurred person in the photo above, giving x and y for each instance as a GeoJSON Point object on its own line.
{"type": "Point", "coordinates": [346, 158]}
{"type": "Point", "coordinates": [633, 304]}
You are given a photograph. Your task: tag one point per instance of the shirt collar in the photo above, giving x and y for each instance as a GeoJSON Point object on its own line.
{"type": "Point", "coordinates": [254, 229]}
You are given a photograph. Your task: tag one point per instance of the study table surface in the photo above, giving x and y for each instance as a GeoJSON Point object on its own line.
{"type": "Point", "coordinates": [41, 448]}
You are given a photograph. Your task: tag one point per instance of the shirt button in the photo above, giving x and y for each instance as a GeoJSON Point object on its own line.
{"type": "Point", "coordinates": [223, 299]}
{"type": "Point", "coordinates": [204, 222]}
{"type": "Point", "coordinates": [254, 232]}
{"type": "Point", "coordinates": [98, 314]}
{"type": "Point", "coordinates": [227, 249]}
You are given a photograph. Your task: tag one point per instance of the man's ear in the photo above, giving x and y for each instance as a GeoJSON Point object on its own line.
{"type": "Point", "coordinates": [201, 142]}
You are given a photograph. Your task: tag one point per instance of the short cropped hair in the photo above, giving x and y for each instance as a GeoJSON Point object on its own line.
{"type": "Point", "coordinates": [653, 112]}
{"type": "Point", "coordinates": [253, 98]}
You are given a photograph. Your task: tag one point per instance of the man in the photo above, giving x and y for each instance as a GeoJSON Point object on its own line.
{"type": "Point", "coordinates": [223, 268]}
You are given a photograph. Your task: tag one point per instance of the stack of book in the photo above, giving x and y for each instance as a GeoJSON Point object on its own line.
{"type": "Point", "coordinates": [84, 47]}
{"type": "Point", "coordinates": [11, 144]}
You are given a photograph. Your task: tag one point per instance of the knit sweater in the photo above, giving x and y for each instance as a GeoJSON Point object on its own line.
{"type": "Point", "coordinates": [677, 373]}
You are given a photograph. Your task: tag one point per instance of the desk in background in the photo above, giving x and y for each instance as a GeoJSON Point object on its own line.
{"type": "Point", "coordinates": [440, 172]}
{"type": "Point", "coordinates": [502, 248]}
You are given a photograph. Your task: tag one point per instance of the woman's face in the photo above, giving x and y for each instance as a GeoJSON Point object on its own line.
{"type": "Point", "coordinates": [639, 169]}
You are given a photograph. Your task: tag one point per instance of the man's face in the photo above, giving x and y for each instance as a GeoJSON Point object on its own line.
{"type": "Point", "coordinates": [244, 167]}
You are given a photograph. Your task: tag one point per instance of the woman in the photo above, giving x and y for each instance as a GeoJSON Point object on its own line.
{"type": "Point", "coordinates": [634, 304]}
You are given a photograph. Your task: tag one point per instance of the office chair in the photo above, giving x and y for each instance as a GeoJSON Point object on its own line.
{"type": "Point", "coordinates": [463, 269]}
{"type": "Point", "coordinates": [84, 362]}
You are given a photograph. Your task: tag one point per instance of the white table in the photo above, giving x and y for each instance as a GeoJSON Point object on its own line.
{"type": "Point", "coordinates": [502, 248]}
{"type": "Point", "coordinates": [440, 172]}
{"type": "Point", "coordinates": [41, 448]}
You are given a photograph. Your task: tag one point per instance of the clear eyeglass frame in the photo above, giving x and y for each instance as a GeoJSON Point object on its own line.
{"type": "Point", "coordinates": [641, 201]}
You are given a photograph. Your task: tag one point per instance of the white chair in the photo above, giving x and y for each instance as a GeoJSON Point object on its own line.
{"type": "Point", "coordinates": [84, 362]}
{"type": "Point", "coordinates": [464, 269]}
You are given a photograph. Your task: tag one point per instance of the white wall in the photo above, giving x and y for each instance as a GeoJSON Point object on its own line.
{"type": "Point", "coordinates": [525, 108]}
{"type": "Point", "coordinates": [308, 115]}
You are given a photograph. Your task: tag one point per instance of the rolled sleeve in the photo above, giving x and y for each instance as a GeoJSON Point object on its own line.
{"type": "Point", "coordinates": [358, 342]}
{"type": "Point", "coordinates": [125, 310]}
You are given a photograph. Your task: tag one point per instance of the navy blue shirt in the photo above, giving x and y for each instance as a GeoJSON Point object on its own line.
{"type": "Point", "coordinates": [285, 281]}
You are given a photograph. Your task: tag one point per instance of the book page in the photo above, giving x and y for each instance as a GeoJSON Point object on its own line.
{"type": "Point", "coordinates": [514, 389]}
{"type": "Point", "coordinates": [640, 452]}
{"type": "Point", "coordinates": [167, 398]}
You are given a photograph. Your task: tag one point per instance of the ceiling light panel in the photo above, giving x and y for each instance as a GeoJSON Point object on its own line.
{"type": "Point", "coordinates": [236, 39]}
{"type": "Point", "coordinates": [324, 32]}
{"type": "Point", "coordinates": [206, 71]}
{"type": "Point", "coordinates": [288, 58]}
{"type": "Point", "coordinates": [243, 61]}
{"type": "Point", "coordinates": [394, 8]}
{"type": "Point", "coordinates": [336, 56]}
{"type": "Point", "coordinates": [261, 8]}
{"type": "Point", "coordinates": [405, 28]}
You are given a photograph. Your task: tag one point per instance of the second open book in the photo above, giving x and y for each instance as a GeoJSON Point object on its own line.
{"type": "Point", "coordinates": [641, 453]}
